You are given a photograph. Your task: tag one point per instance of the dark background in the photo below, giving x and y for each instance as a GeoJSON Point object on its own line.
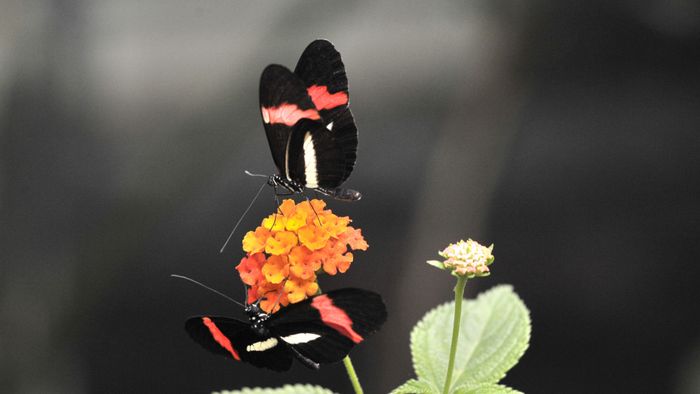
{"type": "Point", "coordinates": [564, 132]}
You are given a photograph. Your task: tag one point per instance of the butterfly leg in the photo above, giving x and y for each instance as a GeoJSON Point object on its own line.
{"type": "Point", "coordinates": [285, 194]}
{"type": "Point", "coordinates": [245, 292]}
{"type": "Point", "coordinates": [341, 194]}
{"type": "Point", "coordinates": [304, 360]}
{"type": "Point", "coordinates": [279, 296]}
{"type": "Point", "coordinates": [313, 209]}
{"type": "Point", "coordinates": [277, 208]}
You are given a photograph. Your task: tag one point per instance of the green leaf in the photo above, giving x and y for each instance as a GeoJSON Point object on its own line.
{"type": "Point", "coordinates": [436, 263]}
{"type": "Point", "coordinates": [416, 387]}
{"type": "Point", "coordinates": [487, 389]}
{"type": "Point", "coordinates": [494, 334]}
{"type": "Point", "coordinates": [286, 389]}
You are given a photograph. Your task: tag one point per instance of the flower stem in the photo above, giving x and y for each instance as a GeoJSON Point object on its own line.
{"type": "Point", "coordinates": [352, 375]}
{"type": "Point", "coordinates": [459, 293]}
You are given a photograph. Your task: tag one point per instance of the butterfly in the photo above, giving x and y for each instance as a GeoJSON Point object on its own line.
{"type": "Point", "coordinates": [319, 330]}
{"type": "Point", "coordinates": [309, 126]}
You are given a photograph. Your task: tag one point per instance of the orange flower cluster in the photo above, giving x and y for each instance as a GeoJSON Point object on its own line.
{"type": "Point", "coordinates": [289, 248]}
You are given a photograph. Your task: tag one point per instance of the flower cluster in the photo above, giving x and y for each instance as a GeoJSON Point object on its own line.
{"type": "Point", "coordinates": [287, 251]}
{"type": "Point", "coordinates": [466, 258]}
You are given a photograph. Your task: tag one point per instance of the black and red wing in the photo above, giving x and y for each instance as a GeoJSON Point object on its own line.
{"type": "Point", "coordinates": [321, 68]}
{"type": "Point", "coordinates": [324, 328]}
{"type": "Point", "coordinates": [283, 102]}
{"type": "Point", "coordinates": [236, 339]}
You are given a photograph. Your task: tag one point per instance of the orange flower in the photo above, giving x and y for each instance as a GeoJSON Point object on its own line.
{"type": "Point", "coordinates": [313, 208]}
{"type": "Point", "coordinates": [252, 295]}
{"type": "Point", "coordinates": [334, 258]}
{"type": "Point", "coordinates": [334, 225]}
{"type": "Point", "coordinates": [254, 241]}
{"type": "Point", "coordinates": [353, 237]}
{"type": "Point", "coordinates": [313, 237]}
{"type": "Point", "coordinates": [271, 297]}
{"type": "Point", "coordinates": [287, 208]}
{"type": "Point", "coordinates": [290, 247]}
{"type": "Point", "coordinates": [298, 289]}
{"type": "Point", "coordinates": [280, 243]}
{"type": "Point", "coordinates": [302, 263]}
{"type": "Point", "coordinates": [249, 269]}
{"type": "Point", "coordinates": [274, 301]}
{"type": "Point", "coordinates": [296, 220]}
{"type": "Point", "coordinates": [276, 269]}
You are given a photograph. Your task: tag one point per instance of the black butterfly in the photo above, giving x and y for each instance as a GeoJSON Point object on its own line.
{"type": "Point", "coordinates": [319, 330]}
{"type": "Point", "coordinates": [309, 126]}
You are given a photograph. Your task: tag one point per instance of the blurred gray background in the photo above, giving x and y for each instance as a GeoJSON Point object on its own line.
{"type": "Point", "coordinates": [564, 132]}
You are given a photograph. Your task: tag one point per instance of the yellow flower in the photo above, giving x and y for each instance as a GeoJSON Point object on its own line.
{"type": "Point", "coordinates": [254, 241]}
{"type": "Point", "coordinates": [274, 222]}
{"type": "Point", "coordinates": [296, 220]}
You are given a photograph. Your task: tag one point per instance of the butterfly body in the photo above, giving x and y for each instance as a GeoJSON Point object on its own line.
{"type": "Point", "coordinates": [292, 186]}
{"type": "Point", "coordinates": [308, 123]}
{"type": "Point", "coordinates": [319, 330]}
{"type": "Point", "coordinates": [257, 319]}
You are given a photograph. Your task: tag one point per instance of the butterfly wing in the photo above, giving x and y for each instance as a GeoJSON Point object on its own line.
{"type": "Point", "coordinates": [234, 338]}
{"type": "Point", "coordinates": [283, 102]}
{"type": "Point", "coordinates": [323, 329]}
{"type": "Point", "coordinates": [315, 158]}
{"type": "Point", "coordinates": [323, 72]}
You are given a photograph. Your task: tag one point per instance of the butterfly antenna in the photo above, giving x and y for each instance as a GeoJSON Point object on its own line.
{"type": "Point", "coordinates": [257, 175]}
{"type": "Point", "coordinates": [208, 288]}
{"type": "Point", "coordinates": [241, 218]}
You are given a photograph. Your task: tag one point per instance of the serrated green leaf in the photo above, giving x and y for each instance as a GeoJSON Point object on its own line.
{"type": "Point", "coordinates": [428, 344]}
{"type": "Point", "coordinates": [494, 333]}
{"type": "Point", "coordinates": [486, 389]}
{"type": "Point", "coordinates": [416, 387]}
{"type": "Point", "coordinates": [286, 389]}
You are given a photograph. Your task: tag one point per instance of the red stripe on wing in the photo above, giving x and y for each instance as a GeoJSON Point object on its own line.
{"type": "Point", "coordinates": [323, 99]}
{"type": "Point", "coordinates": [335, 317]}
{"type": "Point", "coordinates": [287, 114]}
{"type": "Point", "coordinates": [220, 338]}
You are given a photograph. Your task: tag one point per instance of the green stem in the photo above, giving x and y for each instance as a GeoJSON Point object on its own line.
{"type": "Point", "coordinates": [352, 375]}
{"type": "Point", "coordinates": [459, 292]}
